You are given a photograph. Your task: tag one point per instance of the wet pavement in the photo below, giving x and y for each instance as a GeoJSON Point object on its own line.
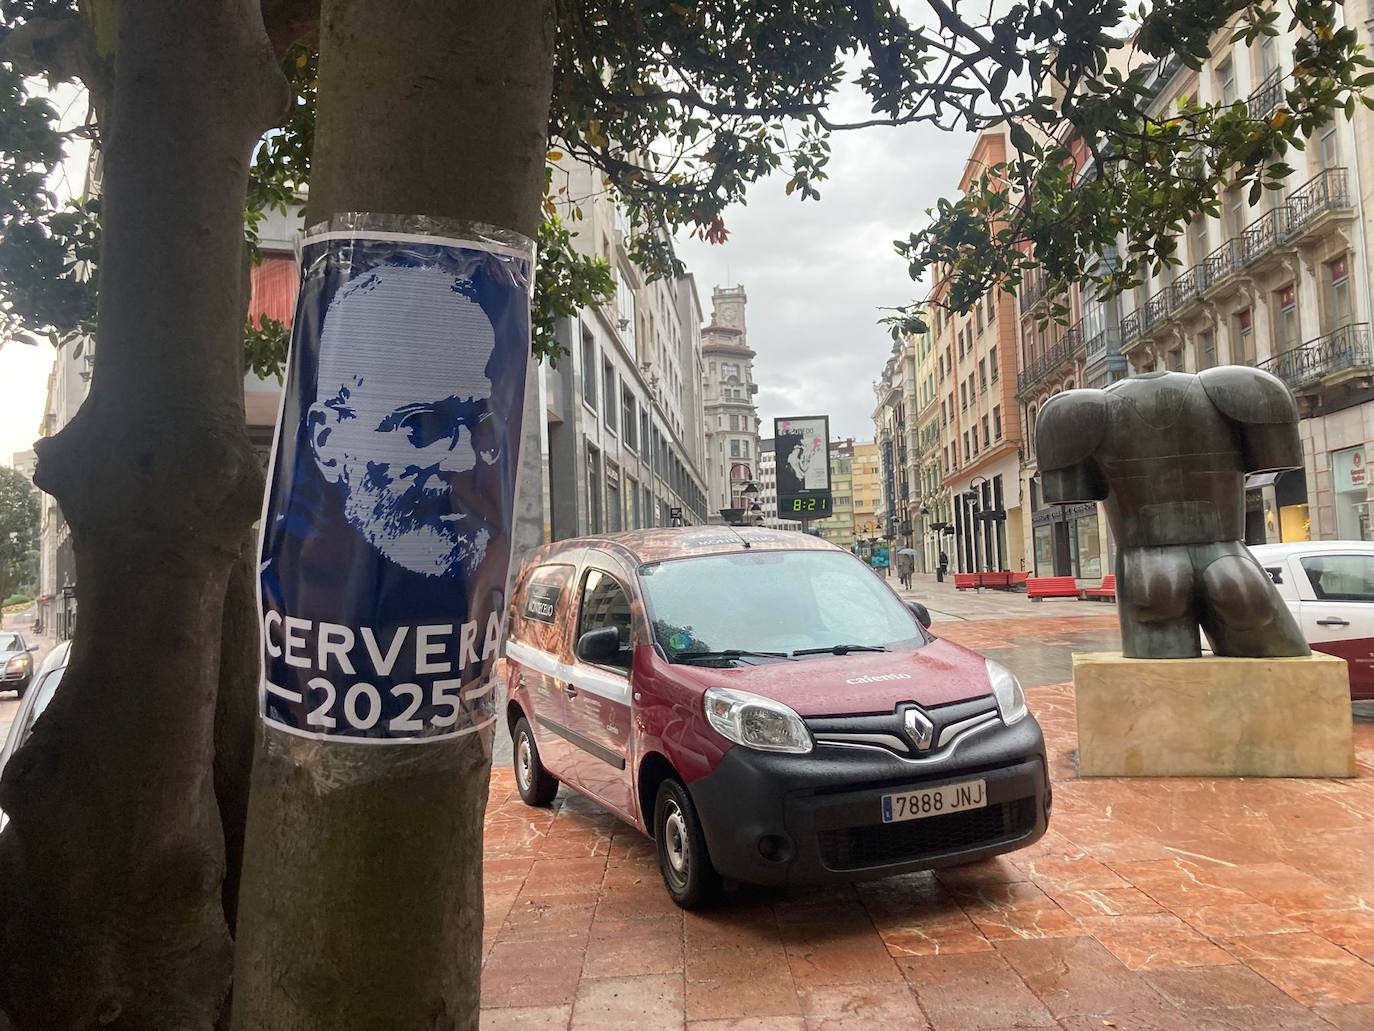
{"type": "Point", "coordinates": [1151, 904]}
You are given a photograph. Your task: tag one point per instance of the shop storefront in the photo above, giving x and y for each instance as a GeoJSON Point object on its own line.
{"type": "Point", "coordinates": [1069, 542]}
{"type": "Point", "coordinates": [1276, 507]}
{"type": "Point", "coordinates": [1350, 490]}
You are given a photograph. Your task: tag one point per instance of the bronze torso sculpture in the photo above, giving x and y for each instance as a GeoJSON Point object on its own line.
{"type": "Point", "coordinates": [1168, 453]}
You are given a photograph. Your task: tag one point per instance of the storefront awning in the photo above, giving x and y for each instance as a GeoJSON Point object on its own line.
{"type": "Point", "coordinates": [1254, 481]}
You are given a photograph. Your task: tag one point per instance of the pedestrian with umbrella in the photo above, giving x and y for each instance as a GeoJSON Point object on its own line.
{"type": "Point", "coordinates": [906, 566]}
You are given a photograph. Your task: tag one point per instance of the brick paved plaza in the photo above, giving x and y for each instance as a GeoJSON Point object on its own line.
{"type": "Point", "coordinates": [1151, 904]}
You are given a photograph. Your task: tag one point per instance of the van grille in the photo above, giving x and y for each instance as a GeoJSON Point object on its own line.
{"type": "Point", "coordinates": [886, 844]}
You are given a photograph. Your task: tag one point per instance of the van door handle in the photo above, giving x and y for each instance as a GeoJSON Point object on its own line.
{"type": "Point", "coordinates": [569, 690]}
{"type": "Point", "coordinates": [1333, 621]}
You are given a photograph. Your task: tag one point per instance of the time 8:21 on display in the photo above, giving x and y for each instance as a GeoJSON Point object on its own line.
{"type": "Point", "coordinates": [818, 504]}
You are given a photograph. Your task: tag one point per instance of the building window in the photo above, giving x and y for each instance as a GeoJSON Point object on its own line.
{"type": "Point", "coordinates": [1328, 147]}
{"type": "Point", "coordinates": [1286, 319]}
{"type": "Point", "coordinates": [632, 495]}
{"type": "Point", "coordinates": [1243, 349]}
{"type": "Point", "coordinates": [1207, 345]}
{"type": "Point", "coordinates": [613, 514]}
{"type": "Point", "coordinates": [593, 490]}
{"type": "Point", "coordinates": [588, 368]}
{"type": "Point", "coordinates": [1176, 359]}
{"type": "Point", "coordinates": [1338, 312]}
{"type": "Point", "coordinates": [997, 423]}
{"type": "Point", "coordinates": [608, 378]}
{"type": "Point", "coordinates": [734, 422]}
{"type": "Point", "coordinates": [982, 375]}
{"type": "Point", "coordinates": [1226, 82]}
{"type": "Point", "coordinates": [963, 396]}
{"type": "Point", "coordinates": [992, 306]}
{"type": "Point", "coordinates": [987, 440]}
{"type": "Point", "coordinates": [627, 411]}
{"type": "Point", "coordinates": [1235, 211]}
{"type": "Point", "coordinates": [992, 364]}
{"type": "Point", "coordinates": [1197, 234]}
{"type": "Point", "coordinates": [978, 315]}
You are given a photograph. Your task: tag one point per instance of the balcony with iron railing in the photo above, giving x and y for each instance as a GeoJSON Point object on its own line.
{"type": "Point", "coordinates": [1186, 288]}
{"type": "Point", "coordinates": [1263, 237]}
{"type": "Point", "coordinates": [1267, 96]}
{"type": "Point", "coordinates": [1033, 292]}
{"type": "Point", "coordinates": [1346, 349]}
{"type": "Point", "coordinates": [1326, 191]}
{"type": "Point", "coordinates": [1223, 261]}
{"type": "Point", "coordinates": [1265, 233]}
{"type": "Point", "coordinates": [1065, 351]}
{"type": "Point", "coordinates": [1130, 327]}
{"type": "Point", "coordinates": [1102, 345]}
{"type": "Point", "coordinates": [1156, 310]}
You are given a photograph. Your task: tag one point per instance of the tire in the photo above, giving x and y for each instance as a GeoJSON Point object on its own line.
{"type": "Point", "coordinates": [536, 785]}
{"type": "Point", "coordinates": [691, 880]}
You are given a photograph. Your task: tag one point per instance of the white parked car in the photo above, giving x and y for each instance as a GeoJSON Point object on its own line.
{"type": "Point", "coordinates": [1329, 587]}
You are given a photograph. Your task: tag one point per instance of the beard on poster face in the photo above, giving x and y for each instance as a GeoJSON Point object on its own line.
{"type": "Point", "coordinates": [427, 521]}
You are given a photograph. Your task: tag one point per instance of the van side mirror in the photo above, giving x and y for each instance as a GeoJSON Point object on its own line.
{"type": "Point", "coordinates": [600, 646]}
{"type": "Point", "coordinates": [921, 613]}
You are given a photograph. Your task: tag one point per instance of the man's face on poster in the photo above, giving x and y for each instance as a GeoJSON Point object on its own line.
{"type": "Point", "coordinates": [402, 420]}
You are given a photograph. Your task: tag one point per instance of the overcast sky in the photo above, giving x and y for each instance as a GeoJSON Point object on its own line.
{"type": "Point", "coordinates": [816, 274]}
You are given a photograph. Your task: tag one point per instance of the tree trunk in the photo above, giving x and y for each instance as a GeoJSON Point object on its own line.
{"type": "Point", "coordinates": [361, 901]}
{"type": "Point", "coordinates": [111, 869]}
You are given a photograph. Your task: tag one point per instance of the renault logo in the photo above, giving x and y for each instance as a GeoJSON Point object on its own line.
{"type": "Point", "coordinates": [919, 728]}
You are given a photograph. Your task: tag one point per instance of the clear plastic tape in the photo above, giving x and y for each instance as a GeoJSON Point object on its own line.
{"type": "Point", "coordinates": [387, 526]}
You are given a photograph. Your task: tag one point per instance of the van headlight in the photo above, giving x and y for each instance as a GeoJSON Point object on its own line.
{"type": "Point", "coordinates": [756, 722]}
{"type": "Point", "coordinates": [1011, 700]}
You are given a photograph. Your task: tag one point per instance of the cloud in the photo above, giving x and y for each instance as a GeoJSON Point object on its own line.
{"type": "Point", "coordinates": [817, 273]}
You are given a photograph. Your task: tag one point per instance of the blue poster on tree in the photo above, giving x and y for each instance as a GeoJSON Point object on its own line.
{"type": "Point", "coordinates": [386, 535]}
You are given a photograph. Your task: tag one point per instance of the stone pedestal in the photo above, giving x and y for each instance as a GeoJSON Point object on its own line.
{"type": "Point", "coordinates": [1213, 717]}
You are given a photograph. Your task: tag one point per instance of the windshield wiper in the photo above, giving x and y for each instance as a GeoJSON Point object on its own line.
{"type": "Point", "coordinates": [731, 653]}
{"type": "Point", "coordinates": [841, 649]}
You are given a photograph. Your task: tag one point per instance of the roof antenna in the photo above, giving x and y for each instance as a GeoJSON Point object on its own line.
{"type": "Point", "coordinates": [741, 536]}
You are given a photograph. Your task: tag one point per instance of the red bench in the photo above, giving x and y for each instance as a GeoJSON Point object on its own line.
{"type": "Point", "coordinates": [1107, 592]}
{"type": "Point", "coordinates": [1040, 587]}
{"type": "Point", "coordinates": [1019, 579]}
{"type": "Point", "coordinates": [972, 581]}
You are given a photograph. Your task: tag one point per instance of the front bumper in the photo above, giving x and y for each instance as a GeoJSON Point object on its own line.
{"type": "Point", "coordinates": [11, 680]}
{"type": "Point", "coordinates": [806, 819]}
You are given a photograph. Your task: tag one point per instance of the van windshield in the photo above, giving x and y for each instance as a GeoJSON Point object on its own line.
{"type": "Point", "coordinates": [779, 602]}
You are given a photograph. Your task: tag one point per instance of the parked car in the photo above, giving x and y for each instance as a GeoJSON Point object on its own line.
{"type": "Point", "coordinates": [16, 663]}
{"type": "Point", "coordinates": [765, 709]}
{"type": "Point", "coordinates": [1329, 587]}
{"type": "Point", "coordinates": [35, 701]}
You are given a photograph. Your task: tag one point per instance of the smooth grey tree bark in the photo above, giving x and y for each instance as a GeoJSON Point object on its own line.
{"type": "Point", "coordinates": [111, 870]}
{"type": "Point", "coordinates": [361, 901]}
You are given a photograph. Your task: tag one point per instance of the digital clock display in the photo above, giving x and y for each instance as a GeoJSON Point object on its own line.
{"type": "Point", "coordinates": [805, 505]}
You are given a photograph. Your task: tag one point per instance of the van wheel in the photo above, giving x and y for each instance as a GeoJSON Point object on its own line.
{"type": "Point", "coordinates": [537, 786]}
{"type": "Point", "coordinates": [682, 858]}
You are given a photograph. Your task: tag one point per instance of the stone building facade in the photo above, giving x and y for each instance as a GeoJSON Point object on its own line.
{"type": "Point", "coordinates": [731, 417]}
